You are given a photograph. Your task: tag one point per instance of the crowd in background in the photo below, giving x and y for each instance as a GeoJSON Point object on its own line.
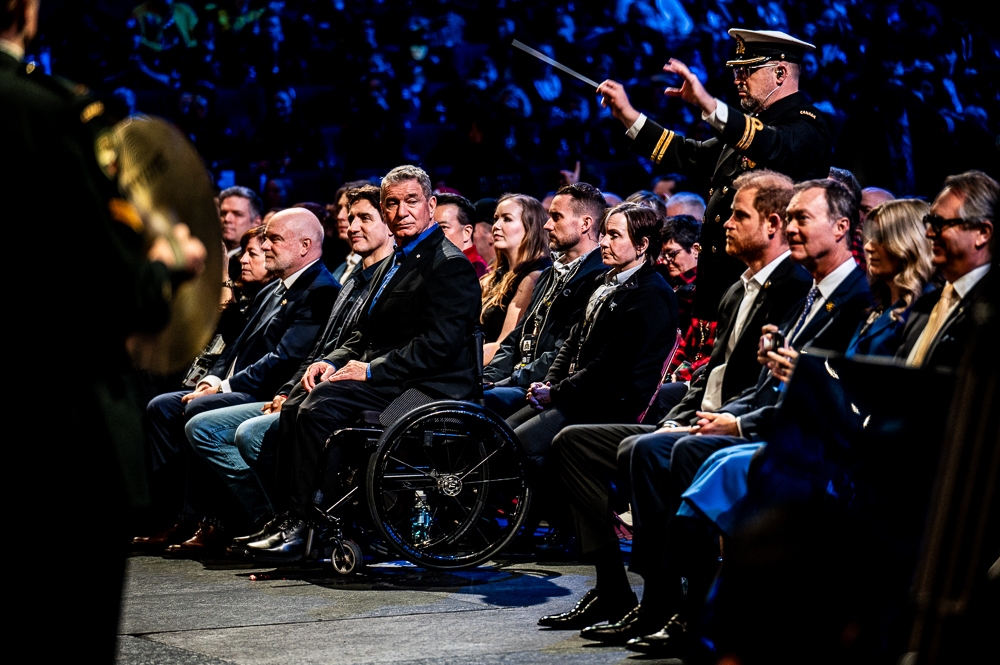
{"type": "Point", "coordinates": [314, 93]}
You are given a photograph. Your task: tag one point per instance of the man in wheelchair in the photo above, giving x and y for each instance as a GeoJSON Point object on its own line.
{"type": "Point", "coordinates": [413, 332]}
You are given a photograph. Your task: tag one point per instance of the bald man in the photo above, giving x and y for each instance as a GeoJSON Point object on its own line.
{"type": "Point", "coordinates": [288, 315]}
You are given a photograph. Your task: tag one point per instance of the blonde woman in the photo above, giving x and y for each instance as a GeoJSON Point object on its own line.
{"type": "Point", "coordinates": [522, 253]}
{"type": "Point", "coordinates": [899, 271]}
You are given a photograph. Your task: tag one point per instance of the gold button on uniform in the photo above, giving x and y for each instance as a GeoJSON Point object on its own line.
{"type": "Point", "coordinates": [718, 218]}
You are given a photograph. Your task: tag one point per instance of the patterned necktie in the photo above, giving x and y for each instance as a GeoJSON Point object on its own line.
{"type": "Point", "coordinates": [933, 327]}
{"type": "Point", "coordinates": [810, 299]}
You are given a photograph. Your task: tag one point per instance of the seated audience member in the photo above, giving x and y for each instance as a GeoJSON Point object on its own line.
{"type": "Point", "coordinates": [287, 318]}
{"type": "Point", "coordinates": [898, 258]}
{"type": "Point", "coordinates": [686, 203]}
{"type": "Point", "coordinates": [239, 210]}
{"type": "Point", "coordinates": [237, 311]}
{"type": "Point", "coordinates": [585, 456]}
{"type": "Point", "coordinates": [847, 179]}
{"type": "Point", "coordinates": [454, 214]}
{"type": "Point", "coordinates": [960, 226]}
{"type": "Point", "coordinates": [665, 185]}
{"type": "Point", "coordinates": [870, 198]}
{"type": "Point", "coordinates": [337, 253]}
{"type": "Point", "coordinates": [230, 439]}
{"type": "Point", "coordinates": [664, 463]}
{"type": "Point", "coordinates": [415, 331]}
{"type": "Point", "coordinates": [678, 261]}
{"type": "Point", "coordinates": [647, 198]}
{"type": "Point", "coordinates": [482, 236]}
{"type": "Point", "coordinates": [610, 365]}
{"type": "Point", "coordinates": [522, 249]}
{"type": "Point", "coordinates": [558, 300]}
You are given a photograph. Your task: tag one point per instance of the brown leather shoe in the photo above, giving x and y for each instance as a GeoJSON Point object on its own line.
{"type": "Point", "coordinates": [208, 539]}
{"type": "Point", "coordinates": [175, 533]}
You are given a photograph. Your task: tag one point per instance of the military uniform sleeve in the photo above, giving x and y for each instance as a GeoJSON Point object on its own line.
{"type": "Point", "coordinates": [789, 147]}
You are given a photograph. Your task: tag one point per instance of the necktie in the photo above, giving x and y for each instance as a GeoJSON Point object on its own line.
{"type": "Point", "coordinates": [810, 299]}
{"type": "Point", "coordinates": [934, 323]}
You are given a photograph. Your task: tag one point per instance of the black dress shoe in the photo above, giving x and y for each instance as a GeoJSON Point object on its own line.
{"type": "Point", "coordinates": [588, 610]}
{"type": "Point", "coordinates": [288, 545]}
{"type": "Point", "coordinates": [670, 641]}
{"type": "Point", "coordinates": [635, 623]}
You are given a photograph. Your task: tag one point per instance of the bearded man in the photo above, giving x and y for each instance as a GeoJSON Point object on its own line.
{"type": "Point", "coordinates": [776, 130]}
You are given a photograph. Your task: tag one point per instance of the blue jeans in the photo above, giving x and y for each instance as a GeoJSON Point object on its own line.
{"type": "Point", "coordinates": [505, 400]}
{"type": "Point", "coordinates": [227, 439]}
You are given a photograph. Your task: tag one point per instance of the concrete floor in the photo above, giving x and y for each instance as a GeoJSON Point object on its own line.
{"type": "Point", "coordinates": [182, 611]}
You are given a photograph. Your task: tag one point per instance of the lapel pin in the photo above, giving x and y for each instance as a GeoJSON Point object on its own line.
{"type": "Point", "coordinates": [767, 284]}
{"type": "Point", "coordinates": [829, 306]}
{"type": "Point", "coordinates": [284, 301]}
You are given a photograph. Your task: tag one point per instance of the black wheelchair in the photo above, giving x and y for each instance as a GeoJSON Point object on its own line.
{"type": "Point", "coordinates": [441, 483]}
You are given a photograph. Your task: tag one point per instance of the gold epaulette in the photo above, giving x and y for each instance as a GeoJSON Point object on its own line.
{"type": "Point", "coordinates": [753, 125]}
{"type": "Point", "coordinates": [661, 146]}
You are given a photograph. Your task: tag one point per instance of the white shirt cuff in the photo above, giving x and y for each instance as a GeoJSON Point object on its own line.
{"type": "Point", "coordinates": [739, 425]}
{"type": "Point", "coordinates": [717, 118]}
{"type": "Point", "coordinates": [225, 386]}
{"type": "Point", "coordinates": [633, 131]}
{"type": "Point", "coordinates": [213, 381]}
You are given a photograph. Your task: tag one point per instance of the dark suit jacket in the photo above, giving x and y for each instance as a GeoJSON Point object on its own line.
{"type": "Point", "coordinates": [620, 362]}
{"type": "Point", "coordinates": [786, 286]}
{"type": "Point", "coordinates": [566, 309]}
{"type": "Point", "coordinates": [268, 351]}
{"type": "Point", "coordinates": [341, 322]}
{"type": "Point", "coordinates": [789, 137]}
{"type": "Point", "coordinates": [947, 348]}
{"type": "Point", "coordinates": [830, 330]}
{"type": "Point", "coordinates": [418, 334]}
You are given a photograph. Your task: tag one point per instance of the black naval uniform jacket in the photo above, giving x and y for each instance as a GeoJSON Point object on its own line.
{"type": "Point", "coordinates": [789, 137]}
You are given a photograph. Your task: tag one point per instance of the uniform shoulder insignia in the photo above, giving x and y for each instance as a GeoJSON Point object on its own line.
{"type": "Point", "coordinates": [808, 113]}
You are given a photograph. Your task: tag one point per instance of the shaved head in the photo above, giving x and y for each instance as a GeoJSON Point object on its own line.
{"type": "Point", "coordinates": [293, 239]}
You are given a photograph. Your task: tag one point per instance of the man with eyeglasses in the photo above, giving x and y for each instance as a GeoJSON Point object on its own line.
{"type": "Point", "coordinates": [776, 130]}
{"type": "Point", "coordinates": [960, 227]}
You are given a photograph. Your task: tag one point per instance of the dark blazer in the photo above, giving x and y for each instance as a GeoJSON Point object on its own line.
{"type": "Point", "coordinates": [566, 309]}
{"type": "Point", "coordinates": [418, 334]}
{"type": "Point", "coordinates": [786, 286]}
{"type": "Point", "coordinates": [620, 361]}
{"type": "Point", "coordinates": [789, 137]}
{"type": "Point", "coordinates": [341, 322]}
{"type": "Point", "coordinates": [268, 351]}
{"type": "Point", "coordinates": [830, 330]}
{"type": "Point", "coordinates": [947, 348]}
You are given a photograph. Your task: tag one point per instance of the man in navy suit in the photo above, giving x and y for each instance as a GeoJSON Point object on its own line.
{"type": "Point", "coordinates": [960, 226]}
{"type": "Point", "coordinates": [288, 315]}
{"type": "Point", "coordinates": [414, 331]}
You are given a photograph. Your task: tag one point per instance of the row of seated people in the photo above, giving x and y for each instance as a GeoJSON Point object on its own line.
{"type": "Point", "coordinates": [575, 374]}
{"type": "Point", "coordinates": [690, 476]}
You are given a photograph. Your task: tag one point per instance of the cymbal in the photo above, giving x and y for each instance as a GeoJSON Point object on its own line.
{"type": "Point", "coordinates": [162, 175]}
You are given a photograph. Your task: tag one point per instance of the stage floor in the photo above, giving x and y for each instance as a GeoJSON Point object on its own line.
{"type": "Point", "coordinates": [215, 612]}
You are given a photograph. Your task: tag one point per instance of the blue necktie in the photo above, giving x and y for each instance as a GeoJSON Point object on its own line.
{"type": "Point", "coordinates": [388, 276]}
{"type": "Point", "coordinates": [810, 299]}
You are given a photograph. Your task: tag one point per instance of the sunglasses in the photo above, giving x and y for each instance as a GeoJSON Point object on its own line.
{"type": "Point", "coordinates": [744, 71]}
{"type": "Point", "coordinates": [939, 223]}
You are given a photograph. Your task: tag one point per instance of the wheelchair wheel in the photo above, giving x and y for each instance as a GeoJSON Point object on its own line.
{"type": "Point", "coordinates": [346, 557]}
{"type": "Point", "coordinates": [447, 485]}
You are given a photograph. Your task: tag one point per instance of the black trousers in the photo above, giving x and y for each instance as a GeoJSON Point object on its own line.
{"type": "Point", "coordinates": [307, 421]}
{"type": "Point", "coordinates": [586, 462]}
{"type": "Point", "coordinates": [662, 468]}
